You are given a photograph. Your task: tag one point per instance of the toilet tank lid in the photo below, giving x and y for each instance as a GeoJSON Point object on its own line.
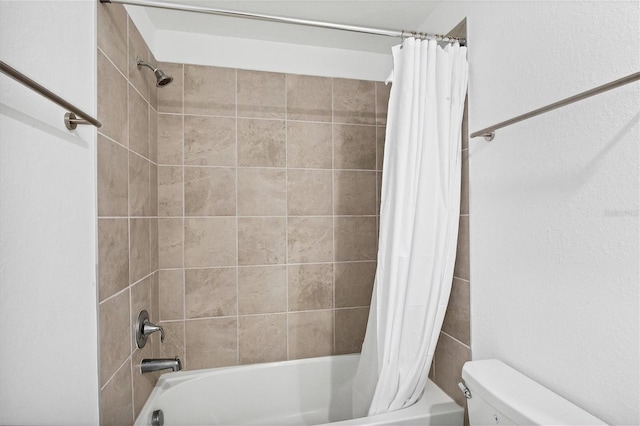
{"type": "Point", "coordinates": [520, 398]}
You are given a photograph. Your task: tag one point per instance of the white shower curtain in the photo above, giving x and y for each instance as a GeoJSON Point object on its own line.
{"type": "Point", "coordinates": [418, 225]}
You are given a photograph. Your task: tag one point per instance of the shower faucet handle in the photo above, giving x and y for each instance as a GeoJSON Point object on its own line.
{"type": "Point", "coordinates": [143, 328]}
{"type": "Point", "coordinates": [148, 327]}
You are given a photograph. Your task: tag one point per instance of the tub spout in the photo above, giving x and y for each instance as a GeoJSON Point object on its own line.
{"type": "Point", "coordinates": [157, 364]}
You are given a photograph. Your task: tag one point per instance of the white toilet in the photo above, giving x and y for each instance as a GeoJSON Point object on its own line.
{"type": "Point", "coordinates": [500, 395]}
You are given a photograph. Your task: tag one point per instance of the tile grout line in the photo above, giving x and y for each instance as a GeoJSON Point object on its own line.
{"type": "Point", "coordinates": [456, 340]}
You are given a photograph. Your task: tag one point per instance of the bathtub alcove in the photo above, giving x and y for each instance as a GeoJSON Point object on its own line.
{"type": "Point", "coordinates": [313, 391]}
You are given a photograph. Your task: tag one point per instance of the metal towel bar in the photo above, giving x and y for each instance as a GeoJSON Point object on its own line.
{"type": "Point", "coordinates": [490, 132]}
{"type": "Point", "coordinates": [71, 119]}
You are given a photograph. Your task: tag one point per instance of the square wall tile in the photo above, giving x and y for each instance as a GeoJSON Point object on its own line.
{"type": "Point", "coordinates": [153, 135]}
{"type": "Point", "coordinates": [309, 192]}
{"type": "Point", "coordinates": [461, 268]}
{"type": "Point", "coordinates": [140, 300]}
{"type": "Point", "coordinates": [139, 186]}
{"type": "Point", "coordinates": [210, 292]}
{"type": "Point", "coordinates": [261, 240]}
{"type": "Point", "coordinates": [170, 139]}
{"type": "Point", "coordinates": [456, 320]}
{"type": "Point", "coordinates": [351, 325]}
{"type": "Point", "coordinates": [113, 186]}
{"type": "Point", "coordinates": [170, 243]}
{"type": "Point", "coordinates": [209, 141]}
{"type": "Point", "coordinates": [210, 242]}
{"type": "Point", "coordinates": [173, 345]}
{"type": "Point", "coordinates": [262, 192]}
{"type": "Point", "coordinates": [354, 283]}
{"type": "Point", "coordinates": [450, 356]}
{"type": "Point", "coordinates": [310, 334]}
{"type": "Point", "coordinates": [356, 238]}
{"type": "Point", "coordinates": [115, 334]}
{"type": "Point", "coordinates": [262, 338]}
{"type": "Point", "coordinates": [262, 289]}
{"type": "Point", "coordinates": [155, 305]}
{"type": "Point", "coordinates": [209, 90]}
{"type": "Point", "coordinates": [354, 192]}
{"type": "Point", "coordinates": [209, 191]}
{"type": "Point", "coordinates": [153, 189]}
{"type": "Point", "coordinates": [354, 147]}
{"type": "Point", "coordinates": [310, 239]}
{"type": "Point", "coordinates": [112, 101]}
{"type": "Point", "coordinates": [354, 101]}
{"type": "Point", "coordinates": [464, 190]}
{"type": "Point", "coordinates": [309, 145]}
{"type": "Point", "coordinates": [171, 294]}
{"type": "Point", "coordinates": [116, 400]}
{"type": "Point", "coordinates": [211, 342]}
{"type": "Point", "coordinates": [113, 256]}
{"type": "Point", "coordinates": [112, 33]}
{"type": "Point", "coordinates": [261, 143]}
{"type": "Point", "coordinates": [153, 238]}
{"type": "Point", "coordinates": [138, 123]}
{"type": "Point", "coordinates": [380, 138]}
{"type": "Point", "coordinates": [382, 102]}
{"type": "Point", "coordinates": [310, 287]}
{"type": "Point", "coordinates": [261, 94]}
{"type": "Point", "coordinates": [308, 98]}
{"type": "Point", "coordinates": [140, 246]}
{"type": "Point", "coordinates": [170, 191]}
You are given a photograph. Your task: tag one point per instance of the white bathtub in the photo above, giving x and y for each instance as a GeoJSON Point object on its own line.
{"type": "Point", "coordinates": [311, 391]}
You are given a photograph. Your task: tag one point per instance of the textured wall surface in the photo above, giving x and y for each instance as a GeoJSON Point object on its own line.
{"type": "Point", "coordinates": [554, 200]}
{"type": "Point", "coordinates": [268, 209]}
{"type": "Point", "coordinates": [47, 218]}
{"type": "Point", "coordinates": [127, 210]}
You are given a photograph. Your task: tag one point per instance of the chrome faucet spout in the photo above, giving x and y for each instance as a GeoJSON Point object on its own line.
{"type": "Point", "coordinates": [156, 364]}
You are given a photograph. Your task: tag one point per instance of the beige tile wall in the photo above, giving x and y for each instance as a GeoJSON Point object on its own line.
{"type": "Point", "coordinates": [127, 213]}
{"type": "Point", "coordinates": [267, 205]}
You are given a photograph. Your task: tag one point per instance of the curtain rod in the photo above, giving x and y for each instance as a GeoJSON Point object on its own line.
{"type": "Point", "coordinates": [285, 20]}
{"type": "Point", "coordinates": [490, 132]}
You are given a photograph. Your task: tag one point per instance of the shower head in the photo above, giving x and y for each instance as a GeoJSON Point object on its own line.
{"type": "Point", "coordinates": [162, 79]}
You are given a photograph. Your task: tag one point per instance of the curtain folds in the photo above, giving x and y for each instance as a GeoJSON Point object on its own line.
{"type": "Point", "coordinates": [418, 225]}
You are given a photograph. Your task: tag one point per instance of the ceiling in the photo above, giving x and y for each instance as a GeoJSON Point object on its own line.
{"type": "Point", "coordinates": [388, 14]}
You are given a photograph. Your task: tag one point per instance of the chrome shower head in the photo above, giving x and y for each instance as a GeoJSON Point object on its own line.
{"type": "Point", "coordinates": [162, 79]}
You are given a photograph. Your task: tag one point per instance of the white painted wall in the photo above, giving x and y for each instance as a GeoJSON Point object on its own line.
{"type": "Point", "coordinates": [554, 200]}
{"type": "Point", "coordinates": [233, 52]}
{"type": "Point", "coordinates": [259, 55]}
{"type": "Point", "coordinates": [48, 326]}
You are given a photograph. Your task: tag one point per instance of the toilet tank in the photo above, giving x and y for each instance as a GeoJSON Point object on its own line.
{"type": "Point", "coordinates": [504, 396]}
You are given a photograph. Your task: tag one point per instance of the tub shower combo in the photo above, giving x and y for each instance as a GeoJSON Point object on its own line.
{"type": "Point", "coordinates": [318, 391]}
